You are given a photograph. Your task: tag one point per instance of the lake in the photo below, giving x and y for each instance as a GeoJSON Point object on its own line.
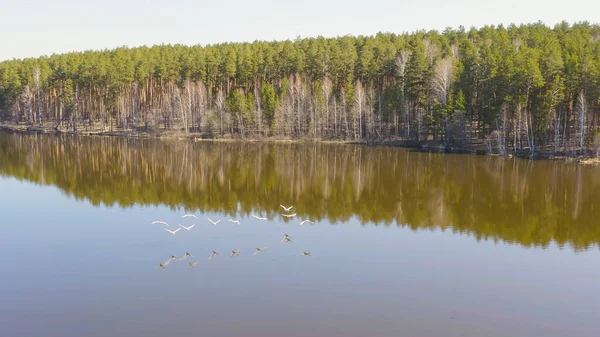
{"type": "Point", "coordinates": [403, 243]}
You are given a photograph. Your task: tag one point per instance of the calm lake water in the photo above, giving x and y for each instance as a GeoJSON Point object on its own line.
{"type": "Point", "coordinates": [403, 243]}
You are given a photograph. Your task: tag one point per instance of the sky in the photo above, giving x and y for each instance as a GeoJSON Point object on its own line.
{"type": "Point", "coordinates": [31, 28]}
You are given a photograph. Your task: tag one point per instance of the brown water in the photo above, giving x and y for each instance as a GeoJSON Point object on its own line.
{"type": "Point", "coordinates": [403, 243]}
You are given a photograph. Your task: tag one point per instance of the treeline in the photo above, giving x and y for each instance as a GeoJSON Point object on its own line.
{"type": "Point", "coordinates": [516, 88]}
{"type": "Point", "coordinates": [531, 203]}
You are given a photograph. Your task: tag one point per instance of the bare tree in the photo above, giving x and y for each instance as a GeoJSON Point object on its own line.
{"type": "Point", "coordinates": [220, 106]}
{"type": "Point", "coordinates": [184, 98]}
{"type": "Point", "coordinates": [401, 62]}
{"type": "Point", "coordinates": [26, 98]}
{"type": "Point", "coordinates": [258, 112]}
{"type": "Point", "coordinates": [501, 126]}
{"type": "Point", "coordinates": [518, 128]}
{"type": "Point", "coordinates": [344, 114]}
{"type": "Point", "coordinates": [556, 125]}
{"type": "Point", "coordinates": [136, 104]}
{"type": "Point", "coordinates": [37, 82]}
{"type": "Point", "coordinates": [517, 43]}
{"type": "Point", "coordinates": [300, 112]}
{"type": "Point", "coordinates": [431, 50]}
{"type": "Point", "coordinates": [327, 88]}
{"type": "Point", "coordinates": [581, 116]}
{"type": "Point", "coordinates": [359, 106]}
{"type": "Point", "coordinates": [75, 109]}
{"type": "Point", "coordinates": [455, 51]}
{"type": "Point", "coordinates": [442, 79]}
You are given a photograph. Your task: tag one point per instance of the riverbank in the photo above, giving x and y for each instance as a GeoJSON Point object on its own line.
{"type": "Point", "coordinates": [162, 134]}
{"type": "Point", "coordinates": [429, 146]}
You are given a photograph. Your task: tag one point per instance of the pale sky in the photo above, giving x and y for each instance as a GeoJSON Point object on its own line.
{"type": "Point", "coordinates": [31, 28]}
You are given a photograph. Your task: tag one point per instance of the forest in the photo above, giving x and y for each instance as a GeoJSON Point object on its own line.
{"type": "Point", "coordinates": [507, 89]}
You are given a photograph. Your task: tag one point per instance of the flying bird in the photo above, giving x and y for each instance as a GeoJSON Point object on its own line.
{"type": "Point", "coordinates": [173, 232]}
{"type": "Point", "coordinates": [287, 209]}
{"type": "Point", "coordinates": [193, 265]}
{"type": "Point", "coordinates": [286, 236]}
{"type": "Point", "coordinates": [213, 222]}
{"type": "Point", "coordinates": [189, 216]}
{"type": "Point", "coordinates": [234, 221]}
{"type": "Point", "coordinates": [234, 253]}
{"type": "Point", "coordinates": [257, 217]}
{"type": "Point", "coordinates": [186, 256]}
{"type": "Point", "coordinates": [166, 263]}
{"type": "Point", "coordinates": [305, 221]}
{"type": "Point", "coordinates": [162, 265]}
{"type": "Point", "coordinates": [213, 255]}
{"type": "Point", "coordinates": [187, 228]}
{"type": "Point", "coordinates": [307, 253]}
{"type": "Point", "coordinates": [289, 215]}
{"type": "Point", "coordinates": [288, 240]}
{"type": "Point", "coordinates": [160, 222]}
{"type": "Point", "coordinates": [258, 250]}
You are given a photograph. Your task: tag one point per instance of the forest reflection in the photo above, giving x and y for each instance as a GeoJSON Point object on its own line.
{"type": "Point", "coordinates": [532, 203]}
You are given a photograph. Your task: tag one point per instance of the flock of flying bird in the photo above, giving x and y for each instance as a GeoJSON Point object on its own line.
{"type": "Point", "coordinates": [286, 238]}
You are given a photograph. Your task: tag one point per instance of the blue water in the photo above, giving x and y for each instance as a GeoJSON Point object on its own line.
{"type": "Point", "coordinates": [72, 269]}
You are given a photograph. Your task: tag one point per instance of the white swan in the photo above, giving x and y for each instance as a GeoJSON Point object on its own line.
{"type": "Point", "coordinates": [173, 232]}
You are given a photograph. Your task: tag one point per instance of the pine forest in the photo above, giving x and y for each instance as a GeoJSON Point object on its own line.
{"type": "Point", "coordinates": [506, 89]}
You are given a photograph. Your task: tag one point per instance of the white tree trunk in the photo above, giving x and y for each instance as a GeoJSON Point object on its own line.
{"type": "Point", "coordinates": [581, 114]}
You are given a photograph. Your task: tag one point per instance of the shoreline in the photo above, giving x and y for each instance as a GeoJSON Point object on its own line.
{"type": "Point", "coordinates": [430, 146]}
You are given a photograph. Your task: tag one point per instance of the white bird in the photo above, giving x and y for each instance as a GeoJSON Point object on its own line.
{"type": "Point", "coordinates": [173, 232]}
{"type": "Point", "coordinates": [258, 250]}
{"type": "Point", "coordinates": [234, 253]}
{"type": "Point", "coordinates": [289, 215]}
{"type": "Point", "coordinates": [189, 216]}
{"type": "Point", "coordinates": [213, 222]}
{"type": "Point", "coordinates": [213, 255]}
{"type": "Point", "coordinates": [305, 221]}
{"type": "Point", "coordinates": [186, 228]}
{"type": "Point", "coordinates": [287, 209]}
{"type": "Point", "coordinates": [257, 217]}
{"type": "Point", "coordinates": [186, 256]}
{"type": "Point", "coordinates": [307, 253]}
{"type": "Point", "coordinates": [285, 237]}
{"type": "Point", "coordinates": [166, 263]}
{"type": "Point", "coordinates": [234, 221]}
{"type": "Point", "coordinates": [160, 222]}
{"type": "Point", "coordinates": [193, 265]}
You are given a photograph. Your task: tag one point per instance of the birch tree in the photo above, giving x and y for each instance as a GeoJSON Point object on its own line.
{"type": "Point", "coordinates": [401, 62]}
{"type": "Point", "coordinates": [581, 112]}
{"type": "Point", "coordinates": [37, 74]}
